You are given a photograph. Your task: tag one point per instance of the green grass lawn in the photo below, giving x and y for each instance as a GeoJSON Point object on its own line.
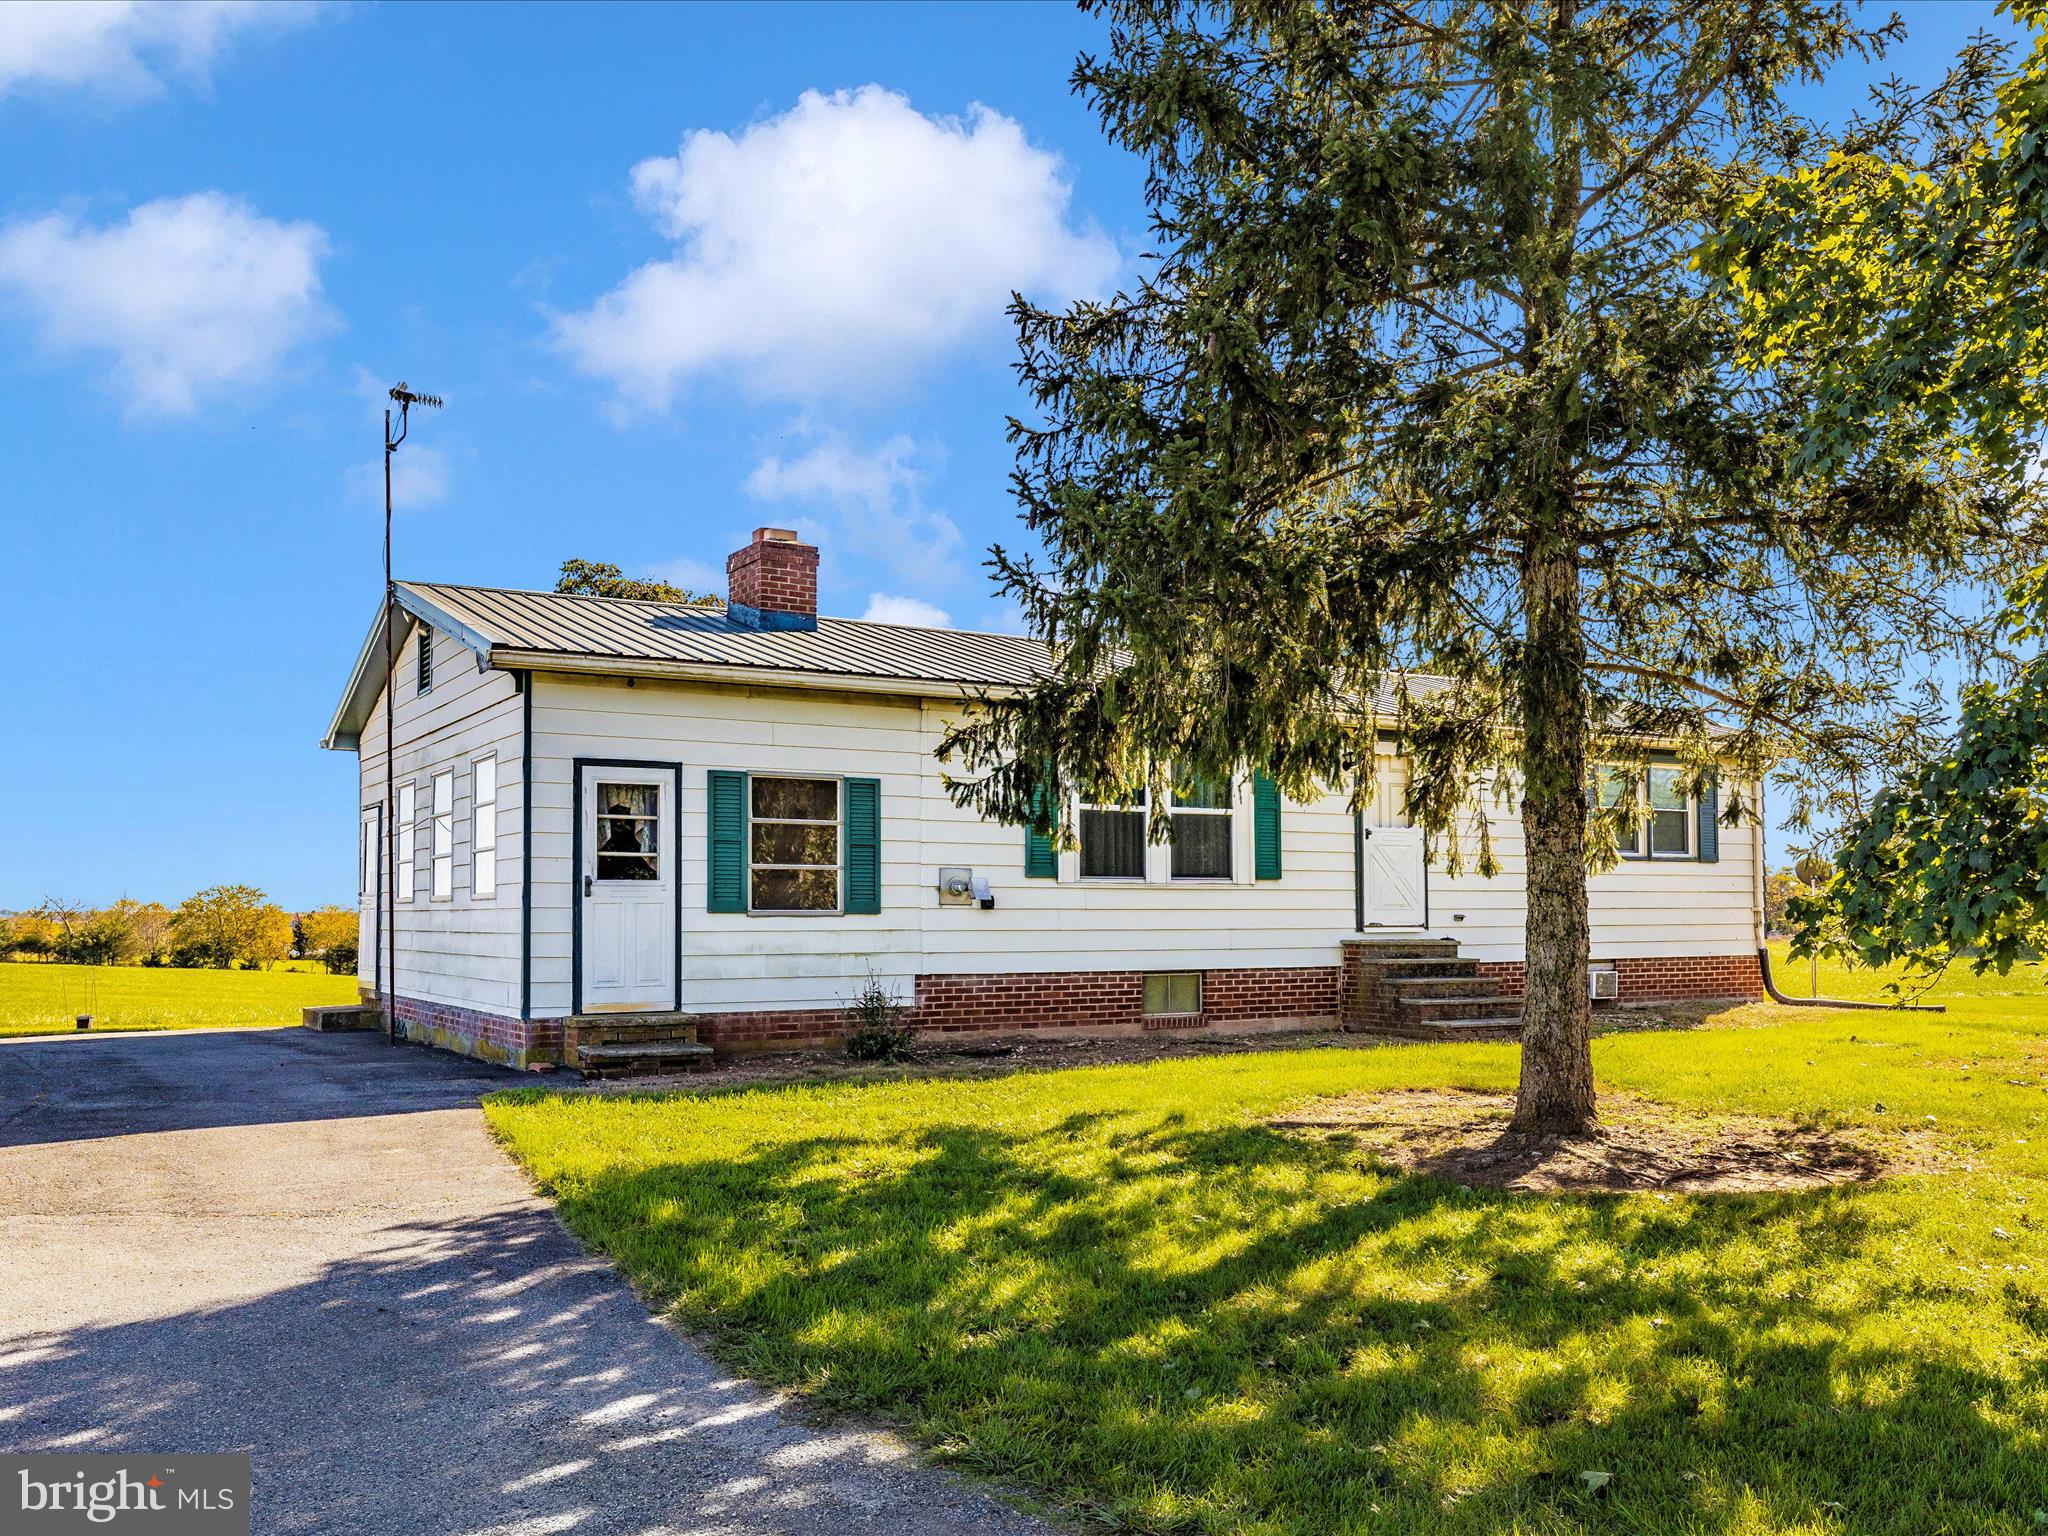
{"type": "Point", "coordinates": [1118, 1289]}
{"type": "Point", "coordinates": [39, 999]}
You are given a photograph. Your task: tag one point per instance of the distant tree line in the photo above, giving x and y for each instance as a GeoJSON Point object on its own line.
{"type": "Point", "coordinates": [224, 927]}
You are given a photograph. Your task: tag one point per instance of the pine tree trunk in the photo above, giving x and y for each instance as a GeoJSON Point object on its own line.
{"type": "Point", "coordinates": [1557, 1016]}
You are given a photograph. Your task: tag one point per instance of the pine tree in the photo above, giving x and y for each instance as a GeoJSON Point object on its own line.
{"type": "Point", "coordinates": [1423, 377]}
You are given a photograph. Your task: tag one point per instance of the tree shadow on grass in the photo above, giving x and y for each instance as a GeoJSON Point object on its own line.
{"type": "Point", "coordinates": [1176, 1326]}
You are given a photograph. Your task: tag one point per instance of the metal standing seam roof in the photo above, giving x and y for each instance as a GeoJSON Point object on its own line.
{"type": "Point", "coordinates": [507, 627]}
{"type": "Point", "coordinates": [570, 625]}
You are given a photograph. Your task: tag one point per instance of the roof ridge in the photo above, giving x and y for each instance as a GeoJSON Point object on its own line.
{"type": "Point", "coordinates": [666, 602]}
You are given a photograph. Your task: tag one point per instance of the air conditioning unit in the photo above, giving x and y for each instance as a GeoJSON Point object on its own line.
{"type": "Point", "coordinates": [1604, 984]}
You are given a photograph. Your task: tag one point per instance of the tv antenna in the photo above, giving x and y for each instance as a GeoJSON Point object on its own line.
{"type": "Point", "coordinates": [387, 989]}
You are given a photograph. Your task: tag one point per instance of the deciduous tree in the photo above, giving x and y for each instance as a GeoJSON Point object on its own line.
{"type": "Point", "coordinates": [602, 579]}
{"type": "Point", "coordinates": [1424, 377]}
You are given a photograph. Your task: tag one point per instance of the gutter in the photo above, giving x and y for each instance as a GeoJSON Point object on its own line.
{"type": "Point", "coordinates": [741, 674]}
{"type": "Point", "coordinates": [1763, 949]}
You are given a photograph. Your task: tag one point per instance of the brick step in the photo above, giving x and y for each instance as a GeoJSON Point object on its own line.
{"type": "Point", "coordinates": [1441, 984]}
{"type": "Point", "coordinates": [1445, 1030]}
{"type": "Point", "coordinates": [627, 1028]}
{"type": "Point", "coordinates": [1423, 965]}
{"type": "Point", "coordinates": [1373, 951]}
{"type": "Point", "coordinates": [1429, 1010]}
{"type": "Point", "coordinates": [645, 1059]}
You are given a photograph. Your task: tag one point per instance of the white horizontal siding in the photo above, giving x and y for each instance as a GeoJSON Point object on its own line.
{"type": "Point", "coordinates": [463, 951]}
{"type": "Point", "coordinates": [747, 962]}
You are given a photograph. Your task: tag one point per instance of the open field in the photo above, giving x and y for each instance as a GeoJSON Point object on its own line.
{"type": "Point", "coordinates": [1120, 1289]}
{"type": "Point", "coordinates": [39, 999]}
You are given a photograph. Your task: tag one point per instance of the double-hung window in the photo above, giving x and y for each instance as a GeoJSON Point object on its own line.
{"type": "Point", "coordinates": [1657, 814]}
{"type": "Point", "coordinates": [1113, 840]}
{"type": "Point", "coordinates": [1201, 832]}
{"type": "Point", "coordinates": [793, 853]}
{"type": "Point", "coordinates": [408, 835]}
{"type": "Point", "coordinates": [483, 828]}
{"type": "Point", "coordinates": [443, 866]}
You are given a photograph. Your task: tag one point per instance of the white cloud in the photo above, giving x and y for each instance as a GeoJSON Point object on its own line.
{"type": "Point", "coordinates": [888, 608]}
{"type": "Point", "coordinates": [834, 248]}
{"type": "Point", "coordinates": [873, 493]}
{"type": "Point", "coordinates": [419, 478]}
{"type": "Point", "coordinates": [187, 296]}
{"type": "Point", "coordinates": [691, 575]}
{"type": "Point", "coordinates": [125, 48]}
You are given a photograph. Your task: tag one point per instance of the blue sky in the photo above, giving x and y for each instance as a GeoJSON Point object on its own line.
{"type": "Point", "coordinates": [677, 271]}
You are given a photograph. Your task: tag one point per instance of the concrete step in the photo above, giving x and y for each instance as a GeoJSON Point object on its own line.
{"type": "Point", "coordinates": [1430, 1010]}
{"type": "Point", "coordinates": [335, 1018]}
{"type": "Point", "coordinates": [1441, 984]}
{"type": "Point", "coordinates": [645, 1059]}
{"type": "Point", "coordinates": [1423, 965]}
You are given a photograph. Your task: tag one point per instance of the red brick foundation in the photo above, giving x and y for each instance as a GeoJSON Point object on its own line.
{"type": "Point", "coordinates": [487, 1036]}
{"type": "Point", "coordinates": [1099, 1002]}
{"type": "Point", "coordinates": [1662, 979]}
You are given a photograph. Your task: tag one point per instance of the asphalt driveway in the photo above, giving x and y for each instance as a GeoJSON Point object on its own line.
{"type": "Point", "coordinates": [306, 1247]}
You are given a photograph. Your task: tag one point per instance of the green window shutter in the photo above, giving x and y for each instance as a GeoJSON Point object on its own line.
{"type": "Point", "coordinates": [863, 845]}
{"type": "Point", "coordinates": [1709, 839]}
{"type": "Point", "coordinates": [1265, 828]}
{"type": "Point", "coordinates": [1041, 859]}
{"type": "Point", "coordinates": [727, 856]}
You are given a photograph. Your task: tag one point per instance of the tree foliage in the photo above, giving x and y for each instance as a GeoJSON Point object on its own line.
{"type": "Point", "coordinates": [228, 925]}
{"type": "Point", "coordinates": [1909, 278]}
{"type": "Point", "coordinates": [1906, 275]}
{"type": "Point", "coordinates": [602, 579]}
{"type": "Point", "coordinates": [1424, 378]}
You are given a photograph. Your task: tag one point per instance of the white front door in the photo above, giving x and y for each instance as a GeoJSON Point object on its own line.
{"type": "Point", "coordinates": [1393, 878]}
{"type": "Point", "coordinates": [627, 948]}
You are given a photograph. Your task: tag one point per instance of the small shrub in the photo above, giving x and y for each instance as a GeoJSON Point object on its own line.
{"type": "Point", "coordinates": [877, 1025]}
{"type": "Point", "coordinates": [340, 959]}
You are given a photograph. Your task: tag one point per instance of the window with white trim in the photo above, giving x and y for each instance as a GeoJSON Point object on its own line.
{"type": "Point", "coordinates": [1657, 813]}
{"type": "Point", "coordinates": [425, 681]}
{"type": "Point", "coordinates": [1113, 840]}
{"type": "Point", "coordinates": [1201, 831]}
{"type": "Point", "coordinates": [443, 867]}
{"type": "Point", "coordinates": [408, 822]}
{"type": "Point", "coordinates": [793, 836]}
{"type": "Point", "coordinates": [483, 828]}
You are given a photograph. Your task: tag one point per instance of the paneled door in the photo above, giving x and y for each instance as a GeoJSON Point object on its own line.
{"type": "Point", "coordinates": [627, 887]}
{"type": "Point", "coordinates": [1392, 870]}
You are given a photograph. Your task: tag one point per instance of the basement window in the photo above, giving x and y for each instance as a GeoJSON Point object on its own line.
{"type": "Point", "coordinates": [1172, 992]}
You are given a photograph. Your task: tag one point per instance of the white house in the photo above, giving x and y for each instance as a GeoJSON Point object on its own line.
{"type": "Point", "coordinates": [605, 807]}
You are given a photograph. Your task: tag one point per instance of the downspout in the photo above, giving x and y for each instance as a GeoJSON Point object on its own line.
{"type": "Point", "coordinates": [1763, 948]}
{"type": "Point", "coordinates": [525, 679]}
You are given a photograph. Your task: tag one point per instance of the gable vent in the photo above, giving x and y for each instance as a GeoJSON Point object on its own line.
{"type": "Point", "coordinates": [426, 680]}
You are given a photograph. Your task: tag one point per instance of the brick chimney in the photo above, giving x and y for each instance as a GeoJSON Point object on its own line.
{"type": "Point", "coordinates": [773, 582]}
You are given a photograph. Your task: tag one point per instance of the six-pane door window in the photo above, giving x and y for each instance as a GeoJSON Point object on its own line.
{"type": "Point", "coordinates": [628, 832]}
{"type": "Point", "coordinates": [444, 836]}
{"type": "Point", "coordinates": [483, 827]}
{"type": "Point", "coordinates": [793, 853]}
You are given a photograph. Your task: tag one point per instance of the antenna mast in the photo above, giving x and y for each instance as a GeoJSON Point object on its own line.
{"type": "Point", "coordinates": [387, 989]}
